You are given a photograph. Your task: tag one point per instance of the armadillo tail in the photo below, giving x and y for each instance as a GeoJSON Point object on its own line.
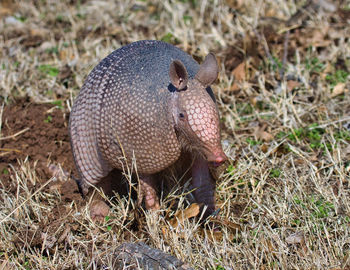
{"type": "Point", "coordinates": [82, 186]}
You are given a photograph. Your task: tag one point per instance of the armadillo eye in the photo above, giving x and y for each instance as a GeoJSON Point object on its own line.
{"type": "Point", "coordinates": [182, 116]}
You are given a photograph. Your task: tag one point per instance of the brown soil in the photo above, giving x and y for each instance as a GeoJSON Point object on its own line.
{"type": "Point", "coordinates": [44, 140]}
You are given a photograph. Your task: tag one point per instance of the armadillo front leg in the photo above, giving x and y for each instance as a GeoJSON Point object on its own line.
{"type": "Point", "coordinates": [148, 192]}
{"type": "Point", "coordinates": [204, 185]}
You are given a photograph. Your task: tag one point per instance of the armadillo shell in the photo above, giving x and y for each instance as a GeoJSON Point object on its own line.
{"type": "Point", "coordinates": [122, 114]}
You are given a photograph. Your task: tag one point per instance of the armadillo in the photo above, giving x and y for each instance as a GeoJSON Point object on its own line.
{"type": "Point", "coordinates": [148, 103]}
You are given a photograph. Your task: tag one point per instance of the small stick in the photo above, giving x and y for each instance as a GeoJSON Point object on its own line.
{"type": "Point", "coordinates": [285, 54]}
{"type": "Point", "coordinates": [14, 135]}
{"type": "Point", "coordinates": [10, 150]}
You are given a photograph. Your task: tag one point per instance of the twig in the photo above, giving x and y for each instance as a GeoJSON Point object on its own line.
{"type": "Point", "coordinates": [285, 54]}
{"type": "Point", "coordinates": [10, 150]}
{"type": "Point", "coordinates": [14, 135]}
{"type": "Point", "coordinates": [332, 122]}
{"type": "Point", "coordinates": [6, 152]}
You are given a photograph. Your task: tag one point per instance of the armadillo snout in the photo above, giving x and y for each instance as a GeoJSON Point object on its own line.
{"type": "Point", "coordinates": [217, 159]}
{"type": "Point", "coordinates": [203, 120]}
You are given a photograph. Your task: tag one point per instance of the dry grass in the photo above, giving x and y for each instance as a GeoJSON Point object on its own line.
{"type": "Point", "coordinates": [288, 186]}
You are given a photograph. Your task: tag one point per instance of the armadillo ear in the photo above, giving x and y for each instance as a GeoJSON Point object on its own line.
{"type": "Point", "coordinates": [178, 74]}
{"type": "Point", "coordinates": [208, 71]}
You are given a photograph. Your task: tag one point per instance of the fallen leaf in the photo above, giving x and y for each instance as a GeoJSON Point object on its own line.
{"type": "Point", "coordinates": [48, 240]}
{"type": "Point", "coordinates": [7, 7]}
{"type": "Point", "coordinates": [300, 161]}
{"type": "Point", "coordinates": [55, 187]}
{"type": "Point", "coordinates": [338, 90]}
{"type": "Point", "coordinates": [228, 224]}
{"type": "Point", "coordinates": [261, 134]}
{"type": "Point", "coordinates": [292, 84]}
{"type": "Point", "coordinates": [264, 148]}
{"type": "Point", "coordinates": [38, 32]}
{"type": "Point", "coordinates": [182, 215]}
{"type": "Point", "coordinates": [213, 235]}
{"type": "Point", "coordinates": [253, 100]}
{"type": "Point", "coordinates": [295, 238]}
{"type": "Point", "coordinates": [239, 74]}
{"type": "Point", "coordinates": [64, 234]}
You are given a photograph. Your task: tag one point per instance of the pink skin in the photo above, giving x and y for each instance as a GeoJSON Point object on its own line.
{"type": "Point", "coordinates": [147, 191]}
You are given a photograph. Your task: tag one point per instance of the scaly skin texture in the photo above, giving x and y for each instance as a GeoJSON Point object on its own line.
{"type": "Point", "coordinates": [150, 102]}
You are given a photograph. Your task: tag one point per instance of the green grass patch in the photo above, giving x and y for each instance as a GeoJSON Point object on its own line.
{"type": "Point", "coordinates": [314, 65]}
{"type": "Point", "coordinates": [321, 207]}
{"type": "Point", "coordinates": [253, 142]}
{"type": "Point", "coordinates": [318, 206]}
{"type": "Point", "coordinates": [58, 104]}
{"type": "Point", "coordinates": [169, 38]}
{"type": "Point", "coordinates": [230, 169]}
{"type": "Point", "coordinates": [49, 70]}
{"type": "Point", "coordinates": [5, 171]}
{"type": "Point", "coordinates": [275, 173]}
{"type": "Point", "coordinates": [48, 119]}
{"type": "Point", "coordinates": [339, 76]}
{"type": "Point", "coordinates": [312, 135]}
{"type": "Point", "coordinates": [52, 50]}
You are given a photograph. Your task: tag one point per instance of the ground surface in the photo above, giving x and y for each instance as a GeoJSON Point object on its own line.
{"type": "Point", "coordinates": [283, 95]}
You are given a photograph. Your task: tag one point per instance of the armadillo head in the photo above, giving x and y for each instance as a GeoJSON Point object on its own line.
{"type": "Point", "coordinates": [194, 109]}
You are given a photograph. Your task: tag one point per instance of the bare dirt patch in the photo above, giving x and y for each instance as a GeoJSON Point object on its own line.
{"type": "Point", "coordinates": [38, 133]}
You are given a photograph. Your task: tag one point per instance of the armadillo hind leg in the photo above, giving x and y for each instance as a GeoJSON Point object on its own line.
{"type": "Point", "coordinates": [203, 185]}
{"type": "Point", "coordinates": [148, 192]}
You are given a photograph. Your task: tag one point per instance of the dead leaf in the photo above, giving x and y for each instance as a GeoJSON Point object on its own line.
{"type": "Point", "coordinates": [300, 161]}
{"type": "Point", "coordinates": [269, 245]}
{"type": "Point", "coordinates": [66, 54]}
{"type": "Point", "coordinates": [55, 187]}
{"type": "Point", "coordinates": [295, 238]}
{"type": "Point", "coordinates": [182, 215]}
{"type": "Point", "coordinates": [64, 234]}
{"type": "Point", "coordinates": [261, 134]}
{"type": "Point", "coordinates": [213, 235]}
{"type": "Point", "coordinates": [38, 32]}
{"type": "Point", "coordinates": [298, 238]}
{"type": "Point", "coordinates": [338, 90]}
{"type": "Point", "coordinates": [264, 148]}
{"type": "Point", "coordinates": [239, 74]}
{"type": "Point", "coordinates": [228, 224]}
{"type": "Point", "coordinates": [48, 240]}
{"type": "Point", "coordinates": [235, 4]}
{"type": "Point", "coordinates": [253, 100]}
{"type": "Point", "coordinates": [318, 39]}
{"type": "Point", "coordinates": [65, 73]}
{"type": "Point", "coordinates": [292, 84]}
{"type": "Point", "coordinates": [7, 7]}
